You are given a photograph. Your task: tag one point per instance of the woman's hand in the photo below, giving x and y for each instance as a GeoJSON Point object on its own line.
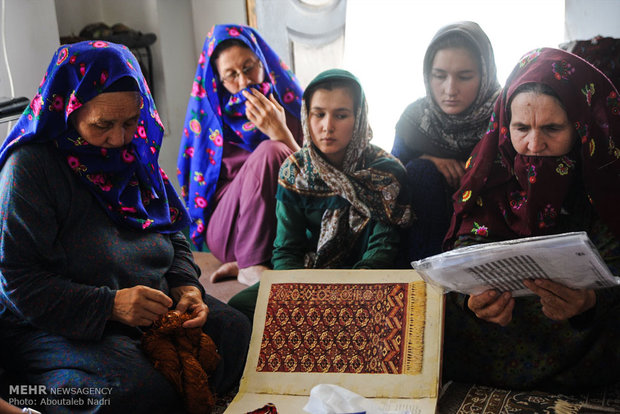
{"type": "Point", "coordinates": [269, 117]}
{"type": "Point", "coordinates": [560, 302]}
{"type": "Point", "coordinates": [189, 299]}
{"type": "Point", "coordinates": [452, 169]}
{"type": "Point", "coordinates": [139, 305]}
{"type": "Point", "coordinates": [492, 307]}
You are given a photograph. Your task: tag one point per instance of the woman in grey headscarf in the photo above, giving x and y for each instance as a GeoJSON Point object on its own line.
{"type": "Point", "coordinates": [436, 133]}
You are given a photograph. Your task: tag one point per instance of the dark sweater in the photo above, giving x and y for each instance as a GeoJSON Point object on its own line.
{"type": "Point", "coordinates": [62, 258]}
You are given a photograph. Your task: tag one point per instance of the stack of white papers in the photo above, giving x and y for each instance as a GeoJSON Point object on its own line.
{"type": "Point", "coordinates": [570, 259]}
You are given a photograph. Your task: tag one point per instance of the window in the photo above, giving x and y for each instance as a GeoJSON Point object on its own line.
{"type": "Point", "coordinates": [385, 43]}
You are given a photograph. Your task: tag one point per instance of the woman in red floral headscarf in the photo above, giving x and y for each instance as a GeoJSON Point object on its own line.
{"type": "Point", "coordinates": [549, 163]}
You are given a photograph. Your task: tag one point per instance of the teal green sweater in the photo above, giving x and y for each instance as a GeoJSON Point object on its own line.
{"type": "Point", "coordinates": [299, 228]}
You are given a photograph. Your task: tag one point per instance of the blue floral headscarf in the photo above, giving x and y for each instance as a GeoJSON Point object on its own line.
{"type": "Point", "coordinates": [127, 181]}
{"type": "Point", "coordinates": [214, 116]}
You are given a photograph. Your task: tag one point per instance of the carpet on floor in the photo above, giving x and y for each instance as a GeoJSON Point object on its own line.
{"type": "Point", "coordinates": [467, 398]}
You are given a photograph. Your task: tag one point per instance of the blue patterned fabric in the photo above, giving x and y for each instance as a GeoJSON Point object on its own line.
{"type": "Point", "coordinates": [113, 375]}
{"type": "Point", "coordinates": [127, 181]}
{"type": "Point", "coordinates": [214, 116]}
{"type": "Point", "coordinates": [62, 260]}
{"type": "Point", "coordinates": [430, 196]}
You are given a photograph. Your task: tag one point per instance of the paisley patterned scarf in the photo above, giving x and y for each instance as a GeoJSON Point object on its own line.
{"type": "Point", "coordinates": [128, 182]}
{"type": "Point", "coordinates": [371, 181]}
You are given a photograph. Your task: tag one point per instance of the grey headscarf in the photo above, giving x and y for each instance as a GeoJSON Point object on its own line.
{"type": "Point", "coordinates": [426, 129]}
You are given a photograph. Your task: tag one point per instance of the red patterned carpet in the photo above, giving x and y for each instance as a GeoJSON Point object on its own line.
{"type": "Point", "coordinates": [313, 328]}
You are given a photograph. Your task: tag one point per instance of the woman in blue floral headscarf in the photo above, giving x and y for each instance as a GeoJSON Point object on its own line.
{"type": "Point", "coordinates": [92, 247]}
{"type": "Point", "coordinates": [242, 122]}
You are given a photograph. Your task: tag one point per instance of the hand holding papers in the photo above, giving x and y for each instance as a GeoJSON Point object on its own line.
{"type": "Point", "coordinates": [570, 259]}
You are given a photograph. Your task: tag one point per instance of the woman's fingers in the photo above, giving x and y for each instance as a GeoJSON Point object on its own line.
{"type": "Point", "coordinates": [268, 116]}
{"type": "Point", "coordinates": [492, 307]}
{"type": "Point", "coordinates": [255, 108]}
{"type": "Point", "coordinates": [275, 102]}
{"type": "Point", "coordinates": [504, 317]}
{"type": "Point", "coordinates": [189, 300]}
{"type": "Point", "coordinates": [199, 314]}
{"type": "Point", "coordinates": [482, 300]}
{"type": "Point", "coordinates": [559, 301]}
{"type": "Point", "coordinates": [455, 170]}
{"type": "Point", "coordinates": [459, 169]}
{"type": "Point", "coordinates": [155, 295]}
{"type": "Point", "coordinates": [139, 305]}
{"type": "Point", "coordinates": [257, 100]}
{"type": "Point", "coordinates": [450, 168]}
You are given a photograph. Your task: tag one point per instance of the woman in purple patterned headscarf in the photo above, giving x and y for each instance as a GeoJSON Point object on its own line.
{"type": "Point", "coordinates": [548, 164]}
{"type": "Point", "coordinates": [92, 245]}
{"type": "Point", "coordinates": [242, 122]}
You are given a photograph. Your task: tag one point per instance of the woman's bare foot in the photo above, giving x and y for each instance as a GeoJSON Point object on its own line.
{"type": "Point", "coordinates": [225, 271]}
{"type": "Point", "coordinates": [251, 275]}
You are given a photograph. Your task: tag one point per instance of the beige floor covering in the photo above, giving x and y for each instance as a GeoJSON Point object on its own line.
{"type": "Point", "coordinates": [222, 290]}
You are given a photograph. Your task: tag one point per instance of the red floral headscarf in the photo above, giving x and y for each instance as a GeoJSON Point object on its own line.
{"type": "Point", "coordinates": [505, 195]}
